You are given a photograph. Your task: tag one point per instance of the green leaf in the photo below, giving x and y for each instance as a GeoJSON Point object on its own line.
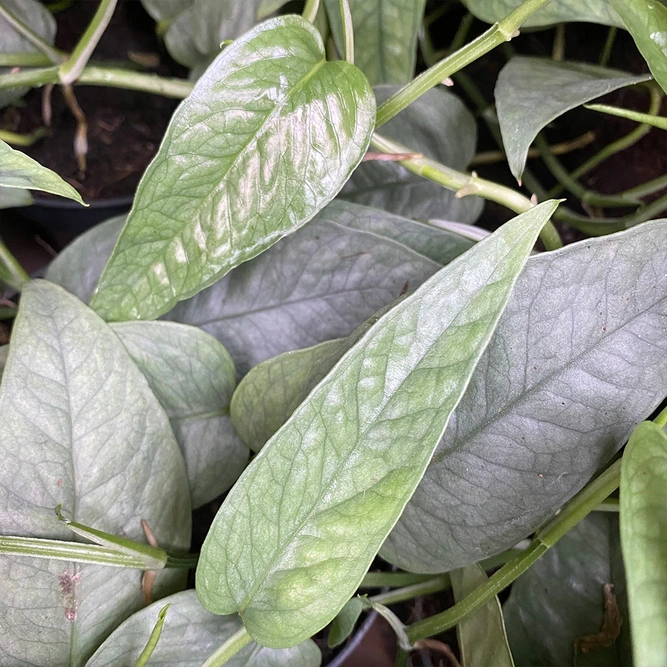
{"type": "Point", "coordinates": [571, 370]}
{"type": "Point", "coordinates": [190, 634]}
{"type": "Point", "coordinates": [195, 36]}
{"type": "Point", "coordinates": [440, 127]}
{"type": "Point", "coordinates": [40, 20]}
{"type": "Point", "coordinates": [561, 599]}
{"type": "Point", "coordinates": [154, 638]}
{"type": "Point", "coordinates": [193, 377]}
{"type": "Point", "coordinates": [343, 625]}
{"type": "Point", "coordinates": [17, 170]}
{"type": "Point", "coordinates": [531, 92]}
{"type": "Point", "coordinates": [643, 529]}
{"type": "Point", "coordinates": [165, 10]}
{"type": "Point", "coordinates": [646, 21]}
{"type": "Point", "coordinates": [11, 197]}
{"type": "Point", "coordinates": [268, 7]}
{"type": "Point", "coordinates": [79, 427]}
{"type": "Point", "coordinates": [352, 454]}
{"type": "Point", "coordinates": [385, 36]}
{"type": "Point", "coordinates": [481, 636]}
{"type": "Point", "coordinates": [235, 172]}
{"type": "Point", "coordinates": [556, 11]}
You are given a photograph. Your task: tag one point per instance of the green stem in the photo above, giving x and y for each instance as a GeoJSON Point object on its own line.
{"type": "Point", "coordinates": [467, 184]}
{"type": "Point", "coordinates": [24, 59]}
{"type": "Point", "coordinates": [310, 10]}
{"type": "Point", "coordinates": [73, 66]}
{"type": "Point", "coordinates": [462, 32]}
{"type": "Point", "coordinates": [229, 649]}
{"type": "Point", "coordinates": [392, 579]}
{"type": "Point", "coordinates": [575, 510]}
{"type": "Point", "coordinates": [570, 183]}
{"type": "Point", "coordinates": [431, 585]}
{"type": "Point", "coordinates": [502, 31]}
{"type": "Point", "coordinates": [649, 187]}
{"type": "Point", "coordinates": [54, 55]}
{"type": "Point", "coordinates": [558, 52]}
{"type": "Point", "coordinates": [348, 30]}
{"type": "Point", "coordinates": [656, 121]}
{"type": "Point", "coordinates": [11, 272]}
{"type": "Point", "coordinates": [608, 505]}
{"type": "Point", "coordinates": [23, 139]}
{"type": "Point", "coordinates": [608, 46]}
{"type": "Point", "coordinates": [661, 419]}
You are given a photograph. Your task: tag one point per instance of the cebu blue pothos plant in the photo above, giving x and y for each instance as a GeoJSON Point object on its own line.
{"type": "Point", "coordinates": [279, 322]}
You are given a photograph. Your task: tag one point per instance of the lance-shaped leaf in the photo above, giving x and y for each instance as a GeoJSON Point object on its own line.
{"type": "Point", "coordinates": [385, 36]}
{"type": "Point", "coordinates": [439, 126]}
{"type": "Point", "coordinates": [531, 92]}
{"type": "Point", "coordinates": [575, 363]}
{"type": "Point", "coordinates": [80, 427]}
{"type": "Point", "coordinates": [193, 377]}
{"type": "Point", "coordinates": [643, 530]}
{"type": "Point", "coordinates": [560, 605]}
{"type": "Point", "coordinates": [189, 635]}
{"type": "Point", "coordinates": [17, 170]}
{"type": "Point", "coordinates": [317, 284]}
{"type": "Point", "coordinates": [352, 454]}
{"type": "Point", "coordinates": [40, 20]}
{"type": "Point", "coordinates": [555, 11]}
{"type": "Point", "coordinates": [482, 639]}
{"type": "Point", "coordinates": [267, 138]}
{"type": "Point", "coordinates": [646, 21]}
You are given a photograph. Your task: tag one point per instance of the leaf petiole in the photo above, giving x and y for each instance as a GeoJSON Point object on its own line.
{"type": "Point", "coordinates": [229, 649]}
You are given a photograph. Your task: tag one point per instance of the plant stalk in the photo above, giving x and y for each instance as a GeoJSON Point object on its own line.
{"type": "Point", "coordinates": [310, 10]}
{"type": "Point", "coordinates": [71, 69]}
{"type": "Point", "coordinates": [431, 585]}
{"type": "Point", "coordinates": [656, 121]}
{"type": "Point", "coordinates": [11, 272]}
{"type": "Point", "coordinates": [503, 31]}
{"type": "Point", "coordinates": [229, 649]}
{"type": "Point", "coordinates": [348, 30]}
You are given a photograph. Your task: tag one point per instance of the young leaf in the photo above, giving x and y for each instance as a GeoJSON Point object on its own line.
{"type": "Point", "coordinates": [385, 34]}
{"type": "Point", "coordinates": [439, 126]}
{"type": "Point", "coordinates": [353, 453]}
{"type": "Point", "coordinates": [482, 639]}
{"type": "Point", "coordinates": [189, 635]}
{"type": "Point", "coordinates": [646, 21]}
{"type": "Point", "coordinates": [40, 20]}
{"type": "Point", "coordinates": [343, 625]}
{"type": "Point", "coordinates": [17, 170]}
{"type": "Point", "coordinates": [317, 284]}
{"type": "Point", "coordinates": [559, 605]}
{"type": "Point", "coordinates": [556, 11]}
{"type": "Point", "coordinates": [154, 638]}
{"type": "Point", "coordinates": [571, 369]}
{"type": "Point", "coordinates": [267, 138]}
{"type": "Point", "coordinates": [531, 92]}
{"type": "Point", "coordinates": [193, 377]}
{"type": "Point", "coordinates": [79, 427]}
{"type": "Point", "coordinates": [643, 530]}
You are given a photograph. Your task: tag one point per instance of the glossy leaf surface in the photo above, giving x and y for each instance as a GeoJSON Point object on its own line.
{"type": "Point", "coordinates": [17, 170]}
{"type": "Point", "coordinates": [40, 20]}
{"type": "Point", "coordinates": [352, 454]}
{"type": "Point", "coordinates": [643, 531]}
{"type": "Point", "coordinates": [574, 365]}
{"type": "Point", "coordinates": [190, 634]}
{"type": "Point", "coordinates": [561, 600]}
{"type": "Point", "coordinates": [317, 284]}
{"type": "Point", "coordinates": [267, 138]}
{"type": "Point", "coordinates": [80, 427]}
{"type": "Point", "coordinates": [439, 126]}
{"type": "Point", "coordinates": [193, 377]}
{"type": "Point", "coordinates": [556, 11]}
{"type": "Point", "coordinates": [646, 20]}
{"type": "Point", "coordinates": [385, 35]}
{"type": "Point", "coordinates": [532, 92]}
{"type": "Point", "coordinates": [482, 639]}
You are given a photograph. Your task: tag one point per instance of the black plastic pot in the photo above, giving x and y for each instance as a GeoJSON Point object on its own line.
{"type": "Point", "coordinates": [65, 217]}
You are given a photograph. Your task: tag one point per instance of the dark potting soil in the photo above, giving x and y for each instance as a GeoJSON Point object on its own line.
{"type": "Point", "coordinates": [124, 127]}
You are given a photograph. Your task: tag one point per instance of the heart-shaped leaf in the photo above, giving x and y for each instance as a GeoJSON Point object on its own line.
{"type": "Point", "coordinates": [555, 11]}
{"type": "Point", "coordinates": [385, 34]}
{"type": "Point", "coordinates": [267, 138]}
{"type": "Point", "coordinates": [189, 635]}
{"type": "Point", "coordinates": [557, 607]}
{"type": "Point", "coordinates": [482, 639]}
{"type": "Point", "coordinates": [571, 370]}
{"type": "Point", "coordinates": [80, 427]}
{"type": "Point", "coordinates": [352, 454]}
{"type": "Point", "coordinates": [643, 530]}
{"type": "Point", "coordinates": [531, 92]}
{"type": "Point", "coordinates": [193, 377]}
{"type": "Point", "coordinates": [17, 170]}
{"type": "Point", "coordinates": [437, 125]}
{"type": "Point", "coordinates": [646, 21]}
